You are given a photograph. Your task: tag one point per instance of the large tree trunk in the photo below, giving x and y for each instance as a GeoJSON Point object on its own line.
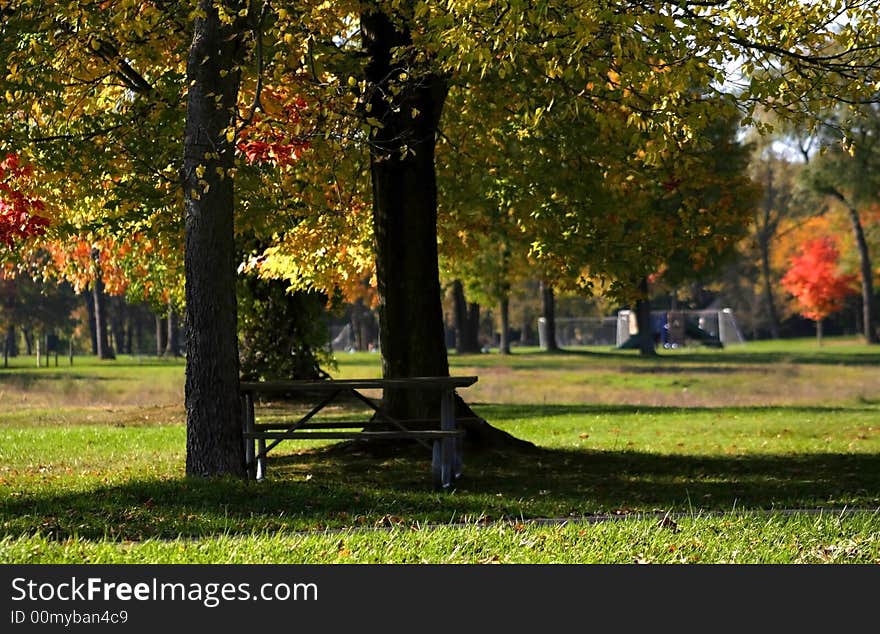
{"type": "Point", "coordinates": [504, 339]}
{"type": "Point", "coordinates": [548, 312]}
{"type": "Point", "coordinates": [405, 220]}
{"type": "Point", "coordinates": [647, 346]}
{"type": "Point", "coordinates": [101, 312]}
{"type": "Point", "coordinates": [214, 445]}
{"type": "Point", "coordinates": [467, 321]}
{"type": "Point", "coordinates": [472, 339]}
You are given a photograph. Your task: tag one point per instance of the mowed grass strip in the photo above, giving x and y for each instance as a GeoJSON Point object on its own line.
{"type": "Point", "coordinates": [774, 539]}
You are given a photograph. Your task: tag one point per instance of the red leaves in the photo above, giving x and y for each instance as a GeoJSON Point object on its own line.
{"type": "Point", "coordinates": [278, 152]}
{"type": "Point", "coordinates": [19, 212]}
{"type": "Point", "coordinates": [813, 279]}
{"type": "Point", "coordinates": [268, 141]}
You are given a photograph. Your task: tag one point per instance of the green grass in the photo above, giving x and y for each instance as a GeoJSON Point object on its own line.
{"type": "Point", "coordinates": [91, 466]}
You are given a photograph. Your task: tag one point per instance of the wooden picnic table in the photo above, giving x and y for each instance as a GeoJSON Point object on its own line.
{"type": "Point", "coordinates": [444, 440]}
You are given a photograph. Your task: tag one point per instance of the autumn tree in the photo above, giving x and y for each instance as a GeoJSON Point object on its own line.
{"type": "Point", "coordinates": [815, 281]}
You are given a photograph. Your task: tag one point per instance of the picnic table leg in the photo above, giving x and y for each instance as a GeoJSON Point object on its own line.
{"type": "Point", "coordinates": [247, 415]}
{"type": "Point", "coordinates": [261, 460]}
{"type": "Point", "coordinates": [444, 453]}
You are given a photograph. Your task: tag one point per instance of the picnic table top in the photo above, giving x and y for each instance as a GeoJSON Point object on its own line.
{"type": "Point", "coordinates": [330, 385]}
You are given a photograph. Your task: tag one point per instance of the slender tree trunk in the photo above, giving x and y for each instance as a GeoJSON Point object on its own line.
{"type": "Point", "coordinates": [117, 324]}
{"type": "Point", "coordinates": [214, 445]}
{"type": "Point", "coordinates": [89, 298]}
{"type": "Point", "coordinates": [6, 352]}
{"type": "Point", "coordinates": [101, 312]}
{"type": "Point", "coordinates": [548, 312]}
{"type": "Point", "coordinates": [867, 276]}
{"type": "Point", "coordinates": [647, 347]}
{"type": "Point", "coordinates": [28, 341]}
{"type": "Point", "coordinates": [767, 277]}
{"type": "Point", "coordinates": [459, 316]}
{"type": "Point", "coordinates": [504, 314]}
{"type": "Point", "coordinates": [172, 346]}
{"type": "Point", "coordinates": [11, 345]}
{"type": "Point", "coordinates": [819, 332]}
{"type": "Point", "coordinates": [161, 334]}
{"type": "Point", "coordinates": [130, 321]}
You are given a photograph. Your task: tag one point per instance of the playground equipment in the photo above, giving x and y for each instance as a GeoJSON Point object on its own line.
{"type": "Point", "coordinates": [677, 328]}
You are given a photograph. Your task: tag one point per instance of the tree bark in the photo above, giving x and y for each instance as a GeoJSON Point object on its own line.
{"type": "Point", "coordinates": [172, 346]}
{"type": "Point", "coordinates": [404, 189]}
{"type": "Point", "coordinates": [161, 334]}
{"type": "Point", "coordinates": [131, 323]}
{"type": "Point", "coordinates": [548, 312]}
{"type": "Point", "coordinates": [104, 349]}
{"type": "Point", "coordinates": [28, 341]}
{"type": "Point", "coordinates": [819, 332]}
{"type": "Point", "coordinates": [93, 326]}
{"type": "Point", "coordinates": [405, 218]}
{"type": "Point", "coordinates": [473, 328]}
{"type": "Point", "coordinates": [467, 321]}
{"type": "Point", "coordinates": [504, 314]}
{"type": "Point", "coordinates": [647, 345]}
{"type": "Point", "coordinates": [767, 225]}
{"type": "Point", "coordinates": [214, 445]}
{"type": "Point", "coordinates": [117, 324]}
{"type": "Point", "coordinates": [769, 301]}
{"type": "Point", "coordinates": [865, 273]}
{"type": "Point", "coordinates": [11, 345]}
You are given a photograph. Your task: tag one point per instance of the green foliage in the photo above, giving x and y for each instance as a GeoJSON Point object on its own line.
{"type": "Point", "coordinates": [282, 334]}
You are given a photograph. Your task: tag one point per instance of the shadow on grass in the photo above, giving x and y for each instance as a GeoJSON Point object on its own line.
{"type": "Point", "coordinates": [335, 488]}
{"type": "Point", "coordinates": [506, 412]}
{"type": "Point", "coordinates": [704, 357]}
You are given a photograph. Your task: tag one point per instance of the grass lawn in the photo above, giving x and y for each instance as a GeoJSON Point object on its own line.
{"type": "Point", "coordinates": [698, 456]}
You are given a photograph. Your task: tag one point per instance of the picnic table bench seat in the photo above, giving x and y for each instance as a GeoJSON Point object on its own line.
{"type": "Point", "coordinates": [441, 436]}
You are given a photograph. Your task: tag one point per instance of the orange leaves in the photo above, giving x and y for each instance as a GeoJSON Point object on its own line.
{"type": "Point", "coordinates": [814, 280]}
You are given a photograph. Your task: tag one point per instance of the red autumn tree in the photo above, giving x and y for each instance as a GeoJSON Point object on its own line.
{"type": "Point", "coordinates": [815, 281]}
{"type": "Point", "coordinates": [19, 213]}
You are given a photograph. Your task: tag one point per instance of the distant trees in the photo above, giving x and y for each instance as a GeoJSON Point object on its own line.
{"type": "Point", "coordinates": [848, 173]}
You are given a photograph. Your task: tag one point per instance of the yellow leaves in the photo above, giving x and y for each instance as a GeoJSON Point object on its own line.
{"type": "Point", "coordinates": [200, 171]}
